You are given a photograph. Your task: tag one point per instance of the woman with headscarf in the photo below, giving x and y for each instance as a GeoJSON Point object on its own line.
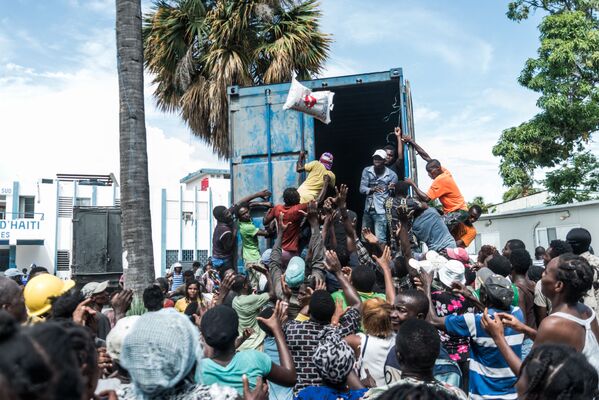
{"type": "Point", "coordinates": [333, 360]}
{"type": "Point", "coordinates": [162, 353]}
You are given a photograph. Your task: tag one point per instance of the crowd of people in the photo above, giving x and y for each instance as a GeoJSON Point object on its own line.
{"type": "Point", "coordinates": [396, 310]}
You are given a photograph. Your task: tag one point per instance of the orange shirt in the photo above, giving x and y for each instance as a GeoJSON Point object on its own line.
{"type": "Point", "coordinates": [465, 233]}
{"type": "Point", "coordinates": [446, 190]}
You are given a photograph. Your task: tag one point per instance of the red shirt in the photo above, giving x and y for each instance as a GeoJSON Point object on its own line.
{"type": "Point", "coordinates": [291, 214]}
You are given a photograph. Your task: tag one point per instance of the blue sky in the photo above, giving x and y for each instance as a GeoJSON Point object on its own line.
{"type": "Point", "coordinates": [59, 92]}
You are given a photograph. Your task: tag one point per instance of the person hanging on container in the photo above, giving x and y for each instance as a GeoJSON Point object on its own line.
{"type": "Point", "coordinates": [376, 183]}
{"type": "Point", "coordinates": [443, 187]}
{"type": "Point", "coordinates": [319, 179]}
{"type": "Point", "coordinates": [225, 231]}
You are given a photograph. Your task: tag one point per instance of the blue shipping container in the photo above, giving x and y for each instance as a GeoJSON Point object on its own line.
{"type": "Point", "coordinates": [266, 140]}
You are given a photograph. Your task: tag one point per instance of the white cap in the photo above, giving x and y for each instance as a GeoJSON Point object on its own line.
{"type": "Point", "coordinates": [380, 153]}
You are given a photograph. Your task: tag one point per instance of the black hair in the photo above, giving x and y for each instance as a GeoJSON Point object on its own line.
{"type": "Point", "coordinates": [485, 251]}
{"type": "Point", "coordinates": [500, 265]}
{"type": "Point", "coordinates": [514, 244]}
{"type": "Point", "coordinates": [153, 298]}
{"type": "Point", "coordinates": [53, 338]}
{"type": "Point", "coordinates": [539, 252]}
{"type": "Point", "coordinates": [433, 164]}
{"type": "Point", "coordinates": [322, 306]}
{"type": "Point", "coordinates": [291, 196]}
{"type": "Point", "coordinates": [535, 273]}
{"type": "Point", "coordinates": [390, 147]}
{"type": "Point", "coordinates": [25, 369]}
{"type": "Point", "coordinates": [162, 283]}
{"type": "Point", "coordinates": [240, 206]}
{"type": "Point", "coordinates": [363, 278]}
{"type": "Point", "coordinates": [420, 300]}
{"type": "Point", "coordinates": [266, 314]}
{"type": "Point", "coordinates": [579, 239]}
{"type": "Point", "coordinates": [342, 255]}
{"type": "Point", "coordinates": [187, 273]}
{"type": "Point", "coordinates": [520, 260]}
{"type": "Point", "coordinates": [198, 284]}
{"type": "Point", "coordinates": [191, 309]}
{"type": "Point", "coordinates": [417, 344]}
{"type": "Point", "coordinates": [238, 283]}
{"type": "Point", "coordinates": [402, 189]}
{"type": "Point", "coordinates": [196, 264]}
{"type": "Point", "coordinates": [408, 391]}
{"type": "Point", "coordinates": [476, 208]}
{"type": "Point", "coordinates": [559, 247]}
{"type": "Point", "coordinates": [8, 291]}
{"type": "Point", "coordinates": [576, 274]}
{"type": "Point", "coordinates": [557, 371]}
{"type": "Point", "coordinates": [64, 305]}
{"type": "Point", "coordinates": [37, 270]}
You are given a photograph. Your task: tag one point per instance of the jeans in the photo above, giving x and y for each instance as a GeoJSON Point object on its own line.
{"type": "Point", "coordinates": [377, 223]}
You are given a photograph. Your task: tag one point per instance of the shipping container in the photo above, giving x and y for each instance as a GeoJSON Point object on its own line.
{"type": "Point", "coordinates": [265, 140]}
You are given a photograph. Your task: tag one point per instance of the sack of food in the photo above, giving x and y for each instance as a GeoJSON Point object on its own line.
{"type": "Point", "coordinates": [316, 104]}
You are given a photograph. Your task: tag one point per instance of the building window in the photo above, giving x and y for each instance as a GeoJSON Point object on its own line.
{"type": "Point", "coordinates": [26, 207]}
{"type": "Point", "coordinates": [187, 216]}
{"type": "Point", "coordinates": [187, 255]}
{"type": "Point", "coordinates": [83, 202]}
{"type": "Point", "coordinates": [3, 206]}
{"type": "Point", "coordinates": [63, 260]}
{"type": "Point", "coordinates": [171, 256]}
{"type": "Point", "coordinates": [65, 207]}
{"type": "Point", "coordinates": [202, 257]}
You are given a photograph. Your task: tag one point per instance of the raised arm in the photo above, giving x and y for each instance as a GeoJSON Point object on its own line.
{"type": "Point", "coordinates": [301, 160]}
{"type": "Point", "coordinates": [423, 196]}
{"type": "Point", "coordinates": [423, 282]}
{"type": "Point", "coordinates": [385, 263]}
{"type": "Point", "coordinates": [334, 266]}
{"type": "Point", "coordinates": [265, 194]}
{"type": "Point", "coordinates": [494, 326]}
{"type": "Point", "coordinates": [408, 139]}
{"type": "Point", "coordinates": [323, 192]}
{"type": "Point", "coordinates": [399, 162]}
{"type": "Point", "coordinates": [316, 245]}
{"type": "Point", "coordinates": [276, 269]}
{"type": "Point", "coordinates": [283, 374]}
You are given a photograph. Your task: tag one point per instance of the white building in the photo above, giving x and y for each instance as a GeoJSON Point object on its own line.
{"type": "Point", "coordinates": [186, 221]}
{"type": "Point", "coordinates": [36, 218]}
{"type": "Point", "coordinates": [537, 225]}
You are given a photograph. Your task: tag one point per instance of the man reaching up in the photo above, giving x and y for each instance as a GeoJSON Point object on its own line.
{"type": "Point", "coordinates": [319, 177]}
{"type": "Point", "coordinates": [444, 188]}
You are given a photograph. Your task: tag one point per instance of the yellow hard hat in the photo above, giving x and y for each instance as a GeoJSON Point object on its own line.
{"type": "Point", "coordinates": [41, 289]}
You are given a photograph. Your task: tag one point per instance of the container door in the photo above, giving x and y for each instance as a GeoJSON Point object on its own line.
{"type": "Point", "coordinates": [266, 141]}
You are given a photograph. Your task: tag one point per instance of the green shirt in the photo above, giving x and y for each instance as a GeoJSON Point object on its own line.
{"type": "Point", "coordinates": [249, 240]}
{"type": "Point", "coordinates": [363, 296]}
{"type": "Point", "coordinates": [248, 307]}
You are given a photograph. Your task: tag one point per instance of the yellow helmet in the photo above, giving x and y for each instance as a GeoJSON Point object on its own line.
{"type": "Point", "coordinates": [41, 289]}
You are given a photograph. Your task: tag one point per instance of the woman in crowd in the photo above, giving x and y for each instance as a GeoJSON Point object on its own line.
{"type": "Point", "coordinates": [192, 295]}
{"type": "Point", "coordinates": [374, 343]}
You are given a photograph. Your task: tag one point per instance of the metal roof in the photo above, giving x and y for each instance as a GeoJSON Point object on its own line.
{"type": "Point", "coordinates": [538, 210]}
{"type": "Point", "coordinates": [204, 171]}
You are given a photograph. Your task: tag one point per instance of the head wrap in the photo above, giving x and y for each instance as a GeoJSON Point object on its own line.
{"type": "Point", "coordinates": [117, 335]}
{"type": "Point", "coordinates": [295, 272]}
{"type": "Point", "coordinates": [326, 159]}
{"type": "Point", "coordinates": [333, 358]}
{"type": "Point", "coordinates": [160, 350]}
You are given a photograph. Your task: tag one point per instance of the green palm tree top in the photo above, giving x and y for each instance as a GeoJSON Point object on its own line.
{"type": "Point", "coordinates": [195, 49]}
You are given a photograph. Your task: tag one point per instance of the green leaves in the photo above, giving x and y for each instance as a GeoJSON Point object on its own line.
{"type": "Point", "coordinates": [577, 179]}
{"type": "Point", "coordinates": [195, 49]}
{"type": "Point", "coordinates": [566, 74]}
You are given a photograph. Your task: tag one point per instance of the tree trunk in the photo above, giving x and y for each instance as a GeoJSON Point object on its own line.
{"type": "Point", "coordinates": [136, 225]}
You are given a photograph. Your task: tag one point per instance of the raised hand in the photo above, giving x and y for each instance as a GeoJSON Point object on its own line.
{"type": "Point", "coordinates": [279, 314]}
{"type": "Point", "coordinates": [339, 311]}
{"type": "Point", "coordinates": [406, 139]}
{"type": "Point", "coordinates": [342, 196]}
{"type": "Point", "coordinates": [331, 261]}
{"type": "Point", "coordinates": [384, 260]}
{"type": "Point", "coordinates": [265, 194]}
{"type": "Point", "coordinates": [494, 326]}
{"type": "Point", "coordinates": [397, 131]}
{"type": "Point", "coordinates": [82, 312]}
{"type": "Point", "coordinates": [260, 392]}
{"type": "Point", "coordinates": [121, 302]}
{"type": "Point", "coordinates": [369, 236]}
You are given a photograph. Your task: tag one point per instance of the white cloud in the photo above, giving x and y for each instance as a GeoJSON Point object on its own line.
{"type": "Point", "coordinates": [424, 114]}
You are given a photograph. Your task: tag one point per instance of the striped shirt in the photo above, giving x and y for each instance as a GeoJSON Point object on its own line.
{"type": "Point", "coordinates": [177, 281]}
{"type": "Point", "coordinates": [490, 375]}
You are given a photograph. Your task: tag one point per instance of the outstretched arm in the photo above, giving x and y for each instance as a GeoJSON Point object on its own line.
{"type": "Point", "coordinates": [423, 196]}
{"type": "Point", "coordinates": [399, 161]}
{"type": "Point", "coordinates": [334, 266]}
{"type": "Point", "coordinates": [301, 160]}
{"type": "Point", "coordinates": [419, 150]}
{"type": "Point", "coordinates": [323, 192]}
{"type": "Point", "coordinates": [265, 194]}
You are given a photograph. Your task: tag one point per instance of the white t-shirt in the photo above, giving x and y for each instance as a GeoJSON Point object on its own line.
{"type": "Point", "coordinates": [373, 353]}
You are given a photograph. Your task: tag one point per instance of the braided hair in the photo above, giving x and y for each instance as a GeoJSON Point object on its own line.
{"type": "Point", "coordinates": [407, 391]}
{"type": "Point", "coordinates": [576, 274]}
{"type": "Point", "coordinates": [558, 372]}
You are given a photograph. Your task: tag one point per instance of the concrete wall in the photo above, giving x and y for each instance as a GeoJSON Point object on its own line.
{"type": "Point", "coordinates": [537, 226]}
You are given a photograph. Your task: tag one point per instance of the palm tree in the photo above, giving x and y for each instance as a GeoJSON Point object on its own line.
{"type": "Point", "coordinates": [196, 48]}
{"type": "Point", "coordinates": [136, 226]}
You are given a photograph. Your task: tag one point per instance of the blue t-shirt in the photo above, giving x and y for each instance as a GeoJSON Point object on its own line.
{"type": "Point", "coordinates": [327, 393]}
{"type": "Point", "coordinates": [430, 229]}
{"type": "Point", "coordinates": [490, 375]}
{"type": "Point", "coordinates": [252, 363]}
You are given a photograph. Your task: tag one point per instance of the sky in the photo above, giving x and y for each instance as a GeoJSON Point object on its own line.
{"type": "Point", "coordinates": [59, 88]}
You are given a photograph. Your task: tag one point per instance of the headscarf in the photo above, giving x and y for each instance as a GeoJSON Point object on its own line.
{"type": "Point", "coordinates": [160, 350]}
{"type": "Point", "coordinates": [326, 159]}
{"type": "Point", "coordinates": [333, 358]}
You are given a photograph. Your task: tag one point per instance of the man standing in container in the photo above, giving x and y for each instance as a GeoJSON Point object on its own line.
{"type": "Point", "coordinates": [443, 187]}
{"type": "Point", "coordinates": [319, 177]}
{"type": "Point", "coordinates": [376, 183]}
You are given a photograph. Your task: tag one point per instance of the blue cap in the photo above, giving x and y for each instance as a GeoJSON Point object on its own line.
{"type": "Point", "coordinates": [295, 273]}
